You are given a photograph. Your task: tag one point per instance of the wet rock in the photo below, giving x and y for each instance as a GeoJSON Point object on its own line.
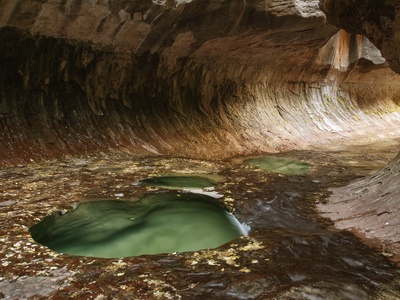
{"type": "Point", "coordinates": [369, 206]}
{"type": "Point", "coordinates": [26, 287]}
{"type": "Point", "coordinates": [193, 79]}
{"type": "Point", "coordinates": [288, 241]}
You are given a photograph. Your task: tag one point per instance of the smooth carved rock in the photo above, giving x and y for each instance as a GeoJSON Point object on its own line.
{"type": "Point", "coordinates": [370, 206]}
{"type": "Point", "coordinates": [197, 78]}
{"type": "Point", "coordinates": [377, 20]}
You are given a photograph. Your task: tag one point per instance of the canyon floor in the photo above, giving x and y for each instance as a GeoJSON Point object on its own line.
{"type": "Point", "coordinates": [290, 252]}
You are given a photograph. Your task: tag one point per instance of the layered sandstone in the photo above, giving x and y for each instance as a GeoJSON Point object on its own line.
{"type": "Point", "coordinates": [202, 79]}
{"type": "Point", "coordinates": [370, 206]}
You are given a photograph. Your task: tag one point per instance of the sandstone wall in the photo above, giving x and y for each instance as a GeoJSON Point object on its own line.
{"type": "Point", "coordinates": [378, 20]}
{"type": "Point", "coordinates": [206, 79]}
{"type": "Point", "coordinates": [370, 206]}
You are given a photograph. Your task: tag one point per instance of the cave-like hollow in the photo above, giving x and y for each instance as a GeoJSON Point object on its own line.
{"type": "Point", "coordinates": [203, 80]}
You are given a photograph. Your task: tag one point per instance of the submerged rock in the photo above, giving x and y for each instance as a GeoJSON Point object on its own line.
{"type": "Point", "coordinates": [287, 237]}
{"type": "Point", "coordinates": [280, 165]}
{"type": "Point", "coordinates": [158, 223]}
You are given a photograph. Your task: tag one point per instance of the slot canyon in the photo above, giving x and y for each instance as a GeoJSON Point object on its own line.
{"type": "Point", "coordinates": [98, 96]}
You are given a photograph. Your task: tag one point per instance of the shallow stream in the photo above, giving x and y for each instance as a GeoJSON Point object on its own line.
{"type": "Point", "coordinates": [291, 252]}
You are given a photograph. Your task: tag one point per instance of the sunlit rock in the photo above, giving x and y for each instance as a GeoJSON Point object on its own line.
{"type": "Point", "coordinates": [370, 206]}
{"type": "Point", "coordinates": [202, 79]}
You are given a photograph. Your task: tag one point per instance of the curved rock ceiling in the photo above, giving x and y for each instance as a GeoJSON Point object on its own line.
{"type": "Point", "coordinates": [201, 78]}
{"type": "Point", "coordinates": [160, 77]}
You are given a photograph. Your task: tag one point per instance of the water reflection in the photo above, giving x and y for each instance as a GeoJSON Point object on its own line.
{"type": "Point", "coordinates": [302, 255]}
{"type": "Point", "coordinates": [281, 165]}
{"type": "Point", "coordinates": [158, 223]}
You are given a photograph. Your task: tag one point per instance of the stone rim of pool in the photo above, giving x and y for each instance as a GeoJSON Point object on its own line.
{"type": "Point", "coordinates": [152, 210]}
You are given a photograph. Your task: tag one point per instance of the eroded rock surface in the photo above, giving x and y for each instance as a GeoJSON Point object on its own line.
{"type": "Point", "coordinates": [198, 79]}
{"type": "Point", "coordinates": [194, 79]}
{"type": "Point", "coordinates": [378, 20]}
{"type": "Point", "coordinates": [370, 206]}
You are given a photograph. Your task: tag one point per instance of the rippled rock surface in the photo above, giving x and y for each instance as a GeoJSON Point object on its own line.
{"type": "Point", "coordinates": [202, 79]}
{"type": "Point", "coordinates": [84, 83]}
{"type": "Point", "coordinates": [369, 206]}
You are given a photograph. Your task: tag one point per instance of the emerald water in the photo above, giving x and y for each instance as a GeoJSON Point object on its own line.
{"type": "Point", "coordinates": [291, 252]}
{"type": "Point", "coordinates": [280, 165]}
{"type": "Point", "coordinates": [158, 223]}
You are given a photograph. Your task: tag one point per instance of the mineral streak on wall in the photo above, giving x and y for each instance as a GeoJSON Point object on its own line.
{"type": "Point", "coordinates": [201, 78]}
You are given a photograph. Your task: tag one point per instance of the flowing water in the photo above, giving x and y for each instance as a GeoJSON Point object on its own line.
{"type": "Point", "coordinates": [291, 252]}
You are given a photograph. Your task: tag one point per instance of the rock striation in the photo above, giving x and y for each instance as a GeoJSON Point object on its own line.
{"type": "Point", "coordinates": [204, 79]}
{"type": "Point", "coordinates": [377, 20]}
{"type": "Point", "coordinates": [370, 206]}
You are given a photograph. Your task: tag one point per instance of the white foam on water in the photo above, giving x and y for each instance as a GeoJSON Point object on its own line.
{"type": "Point", "coordinates": [243, 228]}
{"type": "Point", "coordinates": [207, 192]}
